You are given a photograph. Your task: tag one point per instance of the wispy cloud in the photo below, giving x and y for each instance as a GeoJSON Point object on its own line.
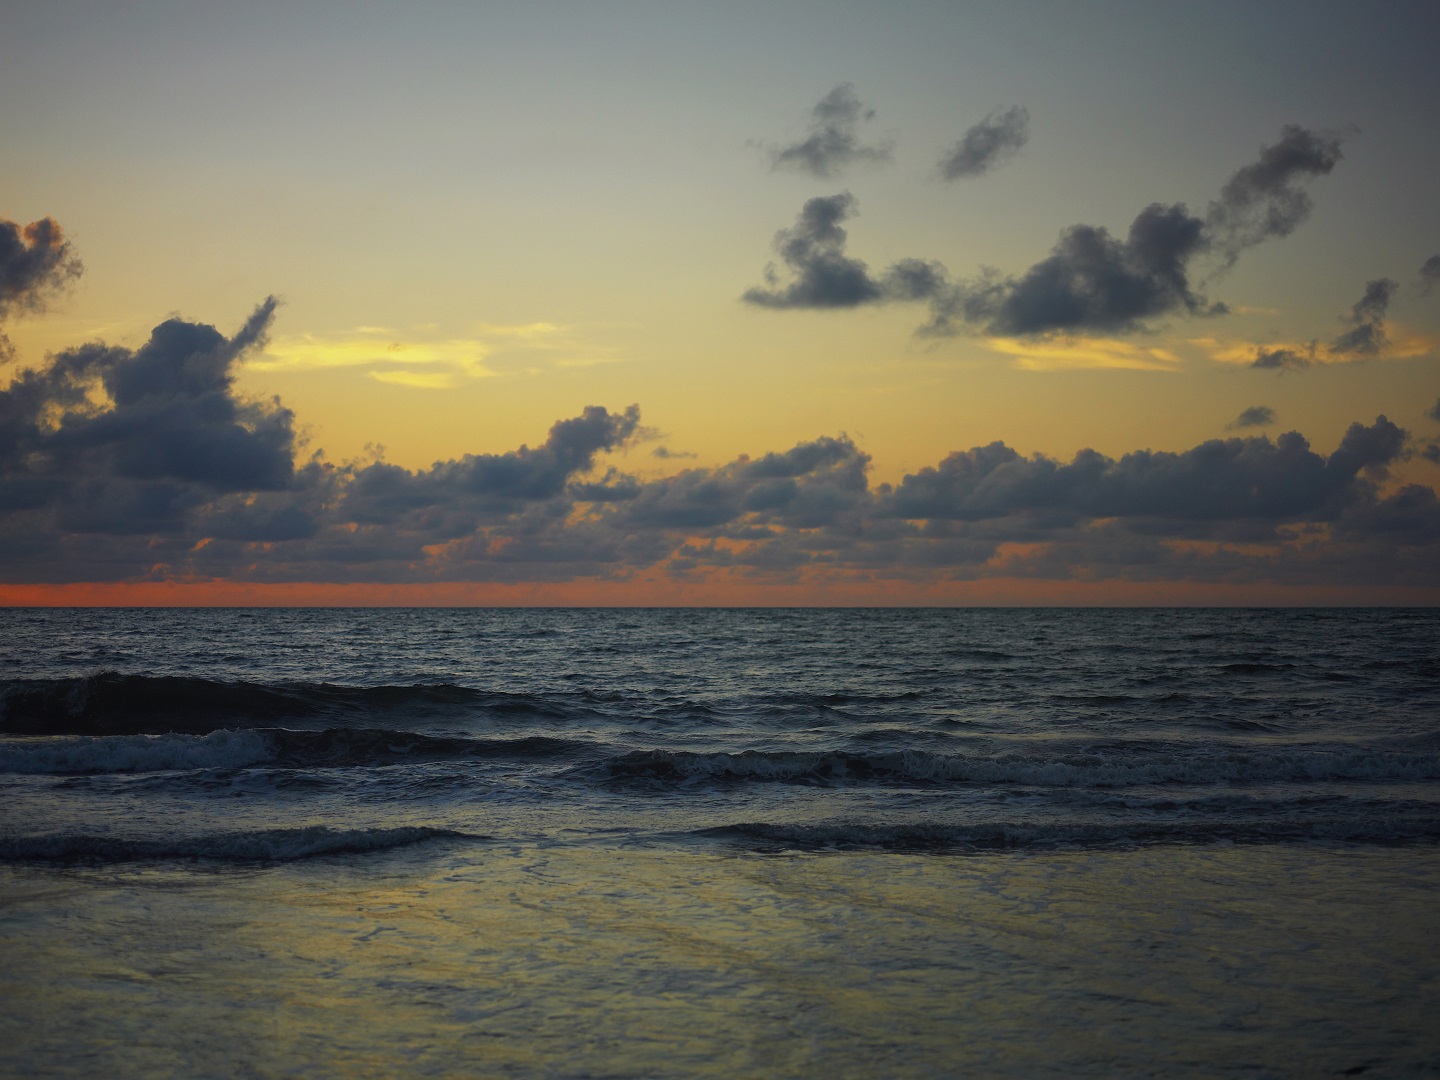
{"type": "Point", "coordinates": [1401, 344]}
{"type": "Point", "coordinates": [1073, 354]}
{"type": "Point", "coordinates": [422, 380]}
{"type": "Point", "coordinates": [991, 142]}
{"type": "Point", "coordinates": [419, 358]}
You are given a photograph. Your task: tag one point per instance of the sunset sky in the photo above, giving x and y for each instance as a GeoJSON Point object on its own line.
{"type": "Point", "coordinates": [725, 303]}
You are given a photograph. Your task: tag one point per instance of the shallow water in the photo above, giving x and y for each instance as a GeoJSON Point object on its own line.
{"type": "Point", "coordinates": [610, 843]}
{"type": "Point", "coordinates": [587, 960]}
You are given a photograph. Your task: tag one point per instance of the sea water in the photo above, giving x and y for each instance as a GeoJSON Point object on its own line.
{"type": "Point", "coordinates": [719, 842]}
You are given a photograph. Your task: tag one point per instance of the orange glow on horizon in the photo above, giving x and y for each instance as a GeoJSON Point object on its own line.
{"type": "Point", "coordinates": [722, 589]}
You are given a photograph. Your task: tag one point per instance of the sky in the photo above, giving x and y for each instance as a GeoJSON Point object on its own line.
{"type": "Point", "coordinates": [634, 303]}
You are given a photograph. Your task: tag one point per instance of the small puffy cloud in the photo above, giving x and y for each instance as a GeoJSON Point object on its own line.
{"type": "Point", "coordinates": [1255, 416]}
{"type": "Point", "coordinates": [1264, 200]}
{"type": "Point", "coordinates": [1429, 273]}
{"type": "Point", "coordinates": [832, 141]}
{"type": "Point", "coordinates": [1282, 358]}
{"type": "Point", "coordinates": [991, 142]}
{"type": "Point", "coordinates": [1366, 336]}
{"type": "Point", "coordinates": [822, 275]}
{"type": "Point", "coordinates": [35, 262]}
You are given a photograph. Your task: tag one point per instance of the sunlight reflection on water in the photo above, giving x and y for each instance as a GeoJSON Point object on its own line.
{"type": "Point", "coordinates": [595, 960]}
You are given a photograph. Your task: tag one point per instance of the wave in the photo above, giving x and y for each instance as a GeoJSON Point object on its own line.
{"type": "Point", "coordinates": [1020, 836]}
{"type": "Point", "coordinates": [258, 846]}
{"type": "Point", "coordinates": [278, 748]}
{"type": "Point", "coordinates": [110, 703]}
{"type": "Point", "coordinates": [674, 767]}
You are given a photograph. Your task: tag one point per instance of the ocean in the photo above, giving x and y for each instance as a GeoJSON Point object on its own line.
{"type": "Point", "coordinates": [714, 842]}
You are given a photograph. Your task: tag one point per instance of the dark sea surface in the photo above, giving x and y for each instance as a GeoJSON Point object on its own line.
{"type": "Point", "coordinates": [720, 842]}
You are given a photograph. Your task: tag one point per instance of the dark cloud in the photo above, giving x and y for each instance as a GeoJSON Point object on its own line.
{"type": "Point", "coordinates": [833, 141]}
{"type": "Point", "coordinates": [113, 441]}
{"type": "Point", "coordinates": [664, 453]}
{"type": "Point", "coordinates": [994, 140]}
{"type": "Point", "coordinates": [487, 484]}
{"type": "Point", "coordinates": [1429, 274]}
{"type": "Point", "coordinates": [1091, 283]}
{"type": "Point", "coordinates": [1230, 479]}
{"type": "Point", "coordinates": [35, 261]}
{"type": "Point", "coordinates": [822, 275]}
{"type": "Point", "coordinates": [1283, 359]}
{"type": "Point", "coordinates": [1434, 411]}
{"type": "Point", "coordinates": [119, 464]}
{"type": "Point", "coordinates": [1367, 337]}
{"type": "Point", "coordinates": [1255, 416]}
{"type": "Point", "coordinates": [1263, 200]}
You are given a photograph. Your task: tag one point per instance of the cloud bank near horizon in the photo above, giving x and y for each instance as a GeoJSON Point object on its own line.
{"type": "Point", "coordinates": [144, 464]}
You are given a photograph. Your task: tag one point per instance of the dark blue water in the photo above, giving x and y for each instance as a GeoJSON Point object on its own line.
{"type": "Point", "coordinates": [273, 734]}
{"type": "Point", "coordinates": [378, 843]}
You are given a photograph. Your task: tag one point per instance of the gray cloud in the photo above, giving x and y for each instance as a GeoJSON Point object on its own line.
{"type": "Point", "coordinates": [477, 485]}
{"type": "Point", "coordinates": [35, 261]}
{"type": "Point", "coordinates": [833, 141]}
{"type": "Point", "coordinates": [994, 140]}
{"type": "Point", "coordinates": [1434, 411]}
{"type": "Point", "coordinates": [822, 275]}
{"type": "Point", "coordinates": [1283, 359]}
{"type": "Point", "coordinates": [1092, 281]}
{"type": "Point", "coordinates": [169, 435]}
{"type": "Point", "coordinates": [1263, 200]}
{"type": "Point", "coordinates": [1366, 337]}
{"type": "Point", "coordinates": [1429, 274]}
{"type": "Point", "coordinates": [1220, 480]}
{"type": "Point", "coordinates": [1255, 416]}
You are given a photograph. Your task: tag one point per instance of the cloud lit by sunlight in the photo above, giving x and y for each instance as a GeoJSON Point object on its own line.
{"type": "Point", "coordinates": [1075, 354]}
{"type": "Point", "coordinates": [1401, 345]}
